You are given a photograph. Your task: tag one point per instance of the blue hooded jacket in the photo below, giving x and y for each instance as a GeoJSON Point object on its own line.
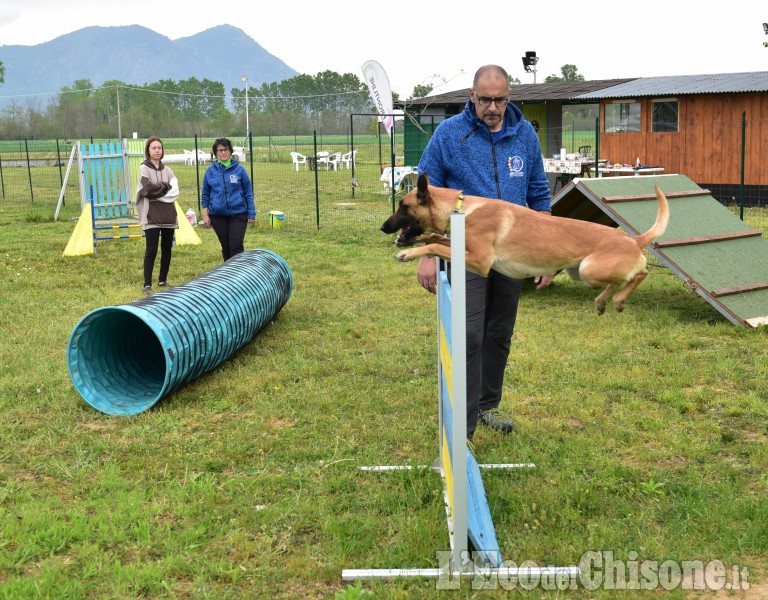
{"type": "Point", "coordinates": [462, 155]}
{"type": "Point", "coordinates": [227, 190]}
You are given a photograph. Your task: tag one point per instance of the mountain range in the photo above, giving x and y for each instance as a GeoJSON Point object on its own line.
{"type": "Point", "coordinates": [135, 55]}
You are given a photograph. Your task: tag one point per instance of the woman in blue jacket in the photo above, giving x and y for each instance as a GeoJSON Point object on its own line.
{"type": "Point", "coordinates": [227, 201]}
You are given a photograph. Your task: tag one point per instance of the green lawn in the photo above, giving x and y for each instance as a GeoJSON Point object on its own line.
{"type": "Point", "coordinates": [648, 430]}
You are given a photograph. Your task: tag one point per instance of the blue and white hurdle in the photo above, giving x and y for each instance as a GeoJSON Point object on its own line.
{"type": "Point", "coordinates": [468, 514]}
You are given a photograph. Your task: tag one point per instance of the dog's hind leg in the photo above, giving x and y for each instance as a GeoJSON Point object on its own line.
{"type": "Point", "coordinates": [620, 297]}
{"type": "Point", "coordinates": [603, 297]}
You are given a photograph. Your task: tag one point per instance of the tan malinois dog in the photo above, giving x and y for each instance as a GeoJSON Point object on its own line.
{"type": "Point", "coordinates": [519, 242]}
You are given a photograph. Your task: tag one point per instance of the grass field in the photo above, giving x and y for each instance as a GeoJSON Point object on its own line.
{"type": "Point", "coordinates": [648, 430]}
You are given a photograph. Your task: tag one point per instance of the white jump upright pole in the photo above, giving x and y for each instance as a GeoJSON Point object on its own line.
{"type": "Point", "coordinates": [456, 383]}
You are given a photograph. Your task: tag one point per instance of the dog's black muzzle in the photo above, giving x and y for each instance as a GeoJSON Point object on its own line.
{"type": "Point", "coordinates": [408, 228]}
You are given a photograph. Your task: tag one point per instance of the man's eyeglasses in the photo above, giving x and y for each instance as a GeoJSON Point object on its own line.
{"type": "Point", "coordinates": [485, 101]}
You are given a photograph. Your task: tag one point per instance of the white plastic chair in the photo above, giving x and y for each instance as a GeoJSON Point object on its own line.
{"type": "Point", "coordinates": [322, 158]}
{"type": "Point", "coordinates": [334, 160]}
{"type": "Point", "coordinates": [239, 153]}
{"type": "Point", "coordinates": [298, 159]}
{"type": "Point", "coordinates": [202, 157]}
{"type": "Point", "coordinates": [348, 159]}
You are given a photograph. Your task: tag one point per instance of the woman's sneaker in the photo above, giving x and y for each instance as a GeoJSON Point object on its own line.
{"type": "Point", "coordinates": [147, 290]}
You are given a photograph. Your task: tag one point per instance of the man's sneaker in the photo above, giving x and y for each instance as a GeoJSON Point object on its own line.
{"type": "Point", "coordinates": [164, 284]}
{"type": "Point", "coordinates": [147, 290]}
{"type": "Point", "coordinates": [495, 420]}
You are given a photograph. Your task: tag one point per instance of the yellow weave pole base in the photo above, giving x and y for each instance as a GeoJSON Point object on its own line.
{"type": "Point", "coordinates": [81, 241]}
{"type": "Point", "coordinates": [185, 234]}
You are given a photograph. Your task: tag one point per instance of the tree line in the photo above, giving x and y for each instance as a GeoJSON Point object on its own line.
{"type": "Point", "coordinates": [188, 107]}
{"type": "Point", "coordinates": [193, 106]}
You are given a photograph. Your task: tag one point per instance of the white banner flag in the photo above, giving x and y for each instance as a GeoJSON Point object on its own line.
{"type": "Point", "coordinates": [378, 85]}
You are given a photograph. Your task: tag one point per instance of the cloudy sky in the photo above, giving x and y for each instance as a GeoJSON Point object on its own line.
{"type": "Point", "coordinates": [426, 42]}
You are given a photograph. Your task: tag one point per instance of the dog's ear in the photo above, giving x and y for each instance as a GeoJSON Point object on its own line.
{"type": "Point", "coordinates": [422, 187]}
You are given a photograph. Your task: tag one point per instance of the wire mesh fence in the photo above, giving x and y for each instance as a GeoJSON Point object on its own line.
{"type": "Point", "coordinates": [40, 177]}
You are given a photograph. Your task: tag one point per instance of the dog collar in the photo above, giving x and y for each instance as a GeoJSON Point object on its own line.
{"type": "Point", "coordinates": [457, 208]}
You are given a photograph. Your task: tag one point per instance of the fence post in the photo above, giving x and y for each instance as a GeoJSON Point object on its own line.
{"type": "Point", "coordinates": [29, 171]}
{"type": "Point", "coordinates": [317, 187]}
{"type": "Point", "coordinates": [197, 174]}
{"type": "Point", "coordinates": [352, 149]}
{"type": "Point", "coordinates": [597, 147]}
{"type": "Point", "coordinates": [58, 162]}
{"type": "Point", "coordinates": [250, 156]}
{"type": "Point", "coordinates": [743, 150]}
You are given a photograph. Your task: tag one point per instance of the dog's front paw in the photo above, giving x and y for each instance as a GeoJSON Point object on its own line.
{"type": "Point", "coordinates": [403, 256]}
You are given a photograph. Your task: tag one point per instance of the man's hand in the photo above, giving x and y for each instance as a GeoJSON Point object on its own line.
{"type": "Point", "coordinates": [427, 274]}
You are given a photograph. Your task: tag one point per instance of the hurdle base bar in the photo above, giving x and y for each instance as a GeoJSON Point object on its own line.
{"type": "Point", "coordinates": [122, 226]}
{"type": "Point", "coordinates": [436, 466]}
{"type": "Point", "coordinates": [508, 573]}
{"type": "Point", "coordinates": [101, 238]}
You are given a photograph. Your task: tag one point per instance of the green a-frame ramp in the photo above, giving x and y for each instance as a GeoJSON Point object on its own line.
{"type": "Point", "coordinates": [706, 245]}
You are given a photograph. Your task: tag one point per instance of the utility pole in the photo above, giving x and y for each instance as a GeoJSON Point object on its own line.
{"type": "Point", "coordinates": [119, 122]}
{"type": "Point", "coordinates": [244, 79]}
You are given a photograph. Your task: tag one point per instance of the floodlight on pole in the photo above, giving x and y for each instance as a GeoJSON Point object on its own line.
{"type": "Point", "coordinates": [244, 79]}
{"type": "Point", "coordinates": [529, 63]}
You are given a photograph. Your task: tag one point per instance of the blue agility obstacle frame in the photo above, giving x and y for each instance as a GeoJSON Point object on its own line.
{"type": "Point", "coordinates": [102, 171]}
{"type": "Point", "coordinates": [474, 547]}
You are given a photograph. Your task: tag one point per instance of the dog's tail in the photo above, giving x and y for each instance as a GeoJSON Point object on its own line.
{"type": "Point", "coordinates": [660, 226]}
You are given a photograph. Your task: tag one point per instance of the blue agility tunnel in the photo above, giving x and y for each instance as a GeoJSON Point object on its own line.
{"type": "Point", "coordinates": [124, 359]}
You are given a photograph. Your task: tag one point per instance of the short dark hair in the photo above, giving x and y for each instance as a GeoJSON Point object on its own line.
{"type": "Point", "coordinates": [154, 138]}
{"type": "Point", "coordinates": [221, 142]}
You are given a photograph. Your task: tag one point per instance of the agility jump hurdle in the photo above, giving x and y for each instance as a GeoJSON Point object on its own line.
{"type": "Point", "coordinates": [104, 181]}
{"type": "Point", "coordinates": [474, 547]}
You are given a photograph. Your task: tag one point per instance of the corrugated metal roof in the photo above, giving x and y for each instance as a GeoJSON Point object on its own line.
{"type": "Point", "coordinates": [681, 85]}
{"type": "Point", "coordinates": [674, 85]}
{"type": "Point", "coordinates": [531, 92]}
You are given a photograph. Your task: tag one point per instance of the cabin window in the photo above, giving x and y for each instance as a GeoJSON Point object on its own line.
{"type": "Point", "coordinates": [622, 116]}
{"type": "Point", "coordinates": [665, 115]}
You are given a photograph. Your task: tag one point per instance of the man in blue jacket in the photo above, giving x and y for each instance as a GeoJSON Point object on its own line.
{"type": "Point", "coordinates": [227, 199]}
{"type": "Point", "coordinates": [487, 150]}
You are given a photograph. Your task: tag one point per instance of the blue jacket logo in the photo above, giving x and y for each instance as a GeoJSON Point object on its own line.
{"type": "Point", "coordinates": [515, 165]}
